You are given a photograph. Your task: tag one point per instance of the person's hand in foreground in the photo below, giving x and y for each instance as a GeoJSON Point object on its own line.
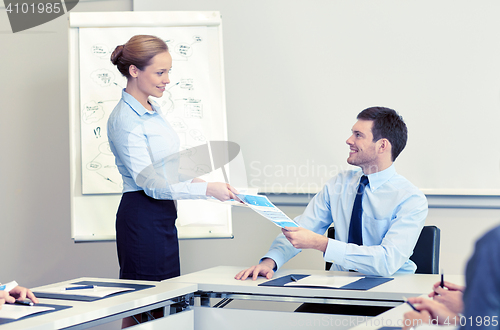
{"type": "Point", "coordinates": [18, 293]}
{"type": "Point", "coordinates": [451, 296]}
{"type": "Point", "coordinates": [429, 312]}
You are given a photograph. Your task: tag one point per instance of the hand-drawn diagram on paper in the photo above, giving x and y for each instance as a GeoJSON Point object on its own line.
{"type": "Point", "coordinates": [185, 101]}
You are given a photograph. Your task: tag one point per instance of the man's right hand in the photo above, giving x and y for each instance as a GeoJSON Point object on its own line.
{"type": "Point", "coordinates": [265, 268]}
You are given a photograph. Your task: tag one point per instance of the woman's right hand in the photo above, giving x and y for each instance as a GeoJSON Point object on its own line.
{"type": "Point", "coordinates": [222, 191]}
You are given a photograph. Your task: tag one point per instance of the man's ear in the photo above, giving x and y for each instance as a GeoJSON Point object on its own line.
{"type": "Point", "coordinates": [384, 145]}
{"type": "Point", "coordinates": [133, 71]}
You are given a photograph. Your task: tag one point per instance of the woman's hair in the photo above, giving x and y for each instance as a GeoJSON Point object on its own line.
{"type": "Point", "coordinates": [138, 51]}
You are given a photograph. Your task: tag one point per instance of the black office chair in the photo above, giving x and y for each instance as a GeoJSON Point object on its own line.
{"type": "Point", "coordinates": [426, 252]}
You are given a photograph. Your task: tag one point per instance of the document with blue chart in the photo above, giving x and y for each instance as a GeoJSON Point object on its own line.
{"type": "Point", "coordinates": [263, 206]}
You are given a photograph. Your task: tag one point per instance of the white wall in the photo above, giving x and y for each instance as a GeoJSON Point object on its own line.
{"type": "Point", "coordinates": [34, 171]}
{"type": "Point", "coordinates": [299, 72]}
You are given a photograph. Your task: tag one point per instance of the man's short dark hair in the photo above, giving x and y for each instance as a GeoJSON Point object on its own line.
{"type": "Point", "coordinates": [387, 124]}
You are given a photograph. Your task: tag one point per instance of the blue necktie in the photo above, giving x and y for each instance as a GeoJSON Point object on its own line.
{"type": "Point", "coordinates": [355, 228]}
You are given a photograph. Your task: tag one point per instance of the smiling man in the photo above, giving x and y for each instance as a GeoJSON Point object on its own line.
{"type": "Point", "coordinates": [377, 214]}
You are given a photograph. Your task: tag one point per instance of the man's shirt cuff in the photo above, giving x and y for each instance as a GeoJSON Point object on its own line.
{"type": "Point", "coordinates": [335, 251]}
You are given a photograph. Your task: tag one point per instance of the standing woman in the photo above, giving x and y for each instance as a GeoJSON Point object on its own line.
{"type": "Point", "coordinates": [141, 138]}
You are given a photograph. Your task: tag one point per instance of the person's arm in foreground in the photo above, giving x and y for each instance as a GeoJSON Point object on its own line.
{"type": "Point", "coordinates": [428, 312]}
{"type": "Point", "coordinates": [18, 293]}
{"type": "Point", "coordinates": [451, 296]}
{"type": "Point", "coordinates": [482, 289]}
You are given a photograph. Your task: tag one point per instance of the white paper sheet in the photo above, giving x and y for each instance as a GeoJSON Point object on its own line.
{"type": "Point", "coordinates": [97, 291]}
{"type": "Point", "coordinates": [8, 286]}
{"type": "Point", "coordinates": [326, 281]}
{"type": "Point", "coordinates": [15, 312]}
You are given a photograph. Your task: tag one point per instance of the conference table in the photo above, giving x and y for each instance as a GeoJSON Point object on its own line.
{"type": "Point", "coordinates": [202, 300]}
{"type": "Point", "coordinates": [217, 288]}
{"type": "Point", "coordinates": [85, 314]}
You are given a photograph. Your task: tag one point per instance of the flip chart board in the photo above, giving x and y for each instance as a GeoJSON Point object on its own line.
{"type": "Point", "coordinates": [194, 104]}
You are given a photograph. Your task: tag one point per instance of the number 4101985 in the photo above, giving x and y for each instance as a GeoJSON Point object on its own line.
{"type": "Point", "coordinates": [31, 8]}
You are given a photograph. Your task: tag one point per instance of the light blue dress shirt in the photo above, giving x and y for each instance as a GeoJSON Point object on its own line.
{"type": "Point", "coordinates": [394, 213]}
{"type": "Point", "coordinates": [143, 143]}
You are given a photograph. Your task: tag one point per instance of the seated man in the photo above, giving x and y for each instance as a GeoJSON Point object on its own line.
{"type": "Point", "coordinates": [376, 228]}
{"type": "Point", "coordinates": [481, 299]}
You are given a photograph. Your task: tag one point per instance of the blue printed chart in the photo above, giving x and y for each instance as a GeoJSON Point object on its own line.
{"type": "Point", "coordinates": [263, 206]}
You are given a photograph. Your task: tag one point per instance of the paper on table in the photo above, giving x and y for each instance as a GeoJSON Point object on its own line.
{"type": "Point", "coordinates": [8, 286]}
{"type": "Point", "coordinates": [15, 312]}
{"type": "Point", "coordinates": [97, 291]}
{"type": "Point", "coordinates": [262, 205]}
{"type": "Point", "coordinates": [325, 281]}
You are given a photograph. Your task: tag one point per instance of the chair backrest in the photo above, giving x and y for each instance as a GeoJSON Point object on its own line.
{"type": "Point", "coordinates": [425, 254]}
{"type": "Point", "coordinates": [330, 234]}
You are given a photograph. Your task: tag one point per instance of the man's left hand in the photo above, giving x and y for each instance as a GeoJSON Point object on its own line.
{"type": "Point", "coordinates": [302, 238]}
